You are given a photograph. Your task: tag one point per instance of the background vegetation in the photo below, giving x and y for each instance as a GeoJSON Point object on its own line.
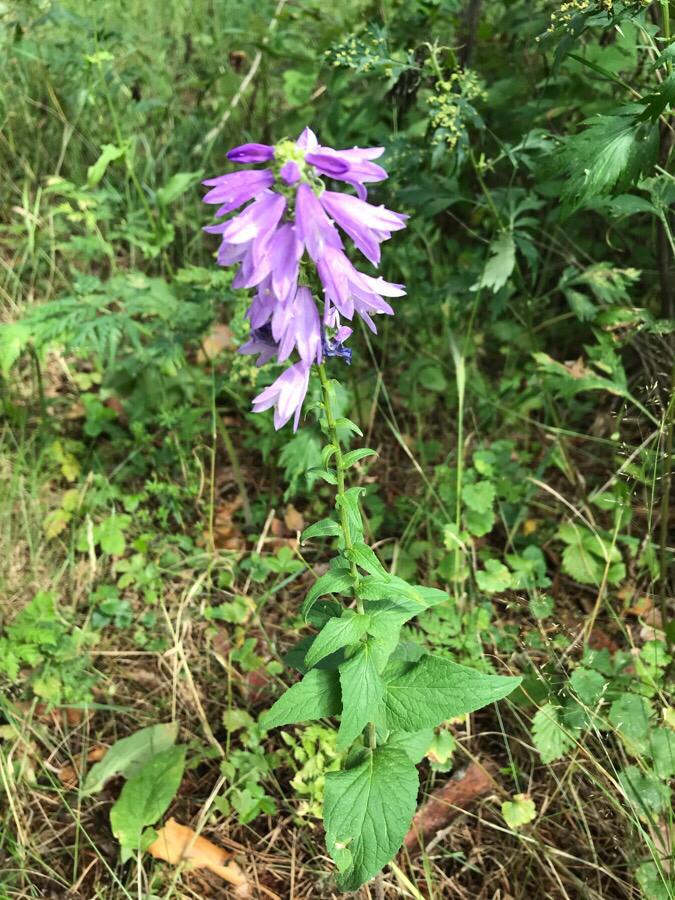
{"type": "Point", "coordinates": [521, 402]}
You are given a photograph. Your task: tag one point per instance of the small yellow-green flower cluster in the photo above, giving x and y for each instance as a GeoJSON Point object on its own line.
{"type": "Point", "coordinates": [363, 53]}
{"type": "Point", "coordinates": [448, 105]}
{"type": "Point", "coordinates": [563, 17]}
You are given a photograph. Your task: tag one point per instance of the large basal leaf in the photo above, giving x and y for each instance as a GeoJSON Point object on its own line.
{"type": "Point", "coordinates": [367, 812]}
{"type": "Point", "coordinates": [146, 797]}
{"type": "Point", "coordinates": [436, 689]}
{"type": "Point", "coordinates": [315, 697]}
{"type": "Point", "coordinates": [362, 693]}
{"type": "Point", "coordinates": [129, 754]}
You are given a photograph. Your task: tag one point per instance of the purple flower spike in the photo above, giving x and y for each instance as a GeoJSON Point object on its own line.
{"type": "Point", "coordinates": [286, 395]}
{"type": "Point", "coordinates": [285, 212]}
{"type": "Point", "coordinates": [251, 153]}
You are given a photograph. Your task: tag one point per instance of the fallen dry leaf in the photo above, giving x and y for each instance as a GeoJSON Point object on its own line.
{"type": "Point", "coordinates": [69, 775]}
{"type": "Point", "coordinates": [219, 339]}
{"type": "Point", "coordinates": [445, 804]}
{"type": "Point", "coordinates": [293, 519]}
{"type": "Point", "coordinates": [177, 843]}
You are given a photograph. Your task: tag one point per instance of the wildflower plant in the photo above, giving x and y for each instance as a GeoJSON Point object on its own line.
{"type": "Point", "coordinates": [289, 245]}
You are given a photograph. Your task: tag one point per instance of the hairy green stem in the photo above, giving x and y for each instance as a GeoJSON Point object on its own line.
{"type": "Point", "coordinates": [339, 471]}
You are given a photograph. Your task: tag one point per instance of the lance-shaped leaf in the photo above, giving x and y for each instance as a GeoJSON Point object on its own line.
{"type": "Point", "coordinates": [436, 689]}
{"type": "Point", "coordinates": [353, 456]}
{"type": "Point", "coordinates": [367, 811]}
{"type": "Point", "coordinates": [129, 754]}
{"type": "Point", "coordinates": [335, 581]}
{"type": "Point", "coordinates": [324, 528]}
{"type": "Point", "coordinates": [365, 559]}
{"type": "Point", "coordinates": [385, 620]}
{"type": "Point", "coordinates": [362, 693]}
{"type": "Point", "coordinates": [315, 697]}
{"type": "Point", "coordinates": [335, 634]}
{"type": "Point", "coordinates": [393, 588]}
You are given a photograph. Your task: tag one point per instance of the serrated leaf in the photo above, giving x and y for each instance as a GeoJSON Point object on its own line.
{"type": "Point", "coordinates": [365, 559]}
{"type": "Point", "coordinates": [349, 501]}
{"type": "Point", "coordinates": [110, 534]}
{"type": "Point", "coordinates": [128, 755]}
{"type": "Point", "coordinates": [414, 744]}
{"type": "Point", "coordinates": [317, 696]}
{"type": "Point", "coordinates": [588, 685]}
{"type": "Point", "coordinates": [479, 523]}
{"type": "Point", "coordinates": [479, 496]}
{"type": "Point", "coordinates": [367, 811]}
{"type": "Point", "coordinates": [630, 715]}
{"type": "Point", "coordinates": [436, 689]}
{"type": "Point", "coordinates": [645, 792]}
{"type": "Point", "coordinates": [323, 528]}
{"type": "Point", "coordinates": [362, 693]}
{"type": "Point", "coordinates": [335, 634]}
{"type": "Point", "coordinates": [549, 735]}
{"type": "Point", "coordinates": [519, 811]}
{"type": "Point", "coordinates": [395, 588]}
{"type": "Point", "coordinates": [494, 578]}
{"type": "Point", "coordinates": [355, 455]}
{"type": "Point", "coordinates": [331, 582]}
{"type": "Point", "coordinates": [662, 752]}
{"type": "Point", "coordinates": [146, 796]}
{"type": "Point", "coordinates": [501, 263]}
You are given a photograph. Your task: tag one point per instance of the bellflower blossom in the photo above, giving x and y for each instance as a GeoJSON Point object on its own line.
{"type": "Point", "coordinates": [289, 212]}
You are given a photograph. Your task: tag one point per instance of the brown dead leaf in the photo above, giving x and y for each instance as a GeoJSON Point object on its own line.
{"type": "Point", "coordinates": [577, 368]}
{"type": "Point", "coordinates": [293, 519]}
{"type": "Point", "coordinates": [445, 804]}
{"type": "Point", "coordinates": [641, 607]}
{"type": "Point", "coordinates": [219, 339]}
{"type": "Point", "coordinates": [69, 776]}
{"type": "Point", "coordinates": [177, 843]}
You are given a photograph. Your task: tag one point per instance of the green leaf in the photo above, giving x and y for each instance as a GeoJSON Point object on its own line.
{"type": "Point", "coordinates": [519, 811]}
{"type": "Point", "coordinates": [365, 559]}
{"type": "Point", "coordinates": [588, 685]}
{"type": "Point", "coordinates": [355, 455]}
{"type": "Point", "coordinates": [645, 792]}
{"type": "Point", "coordinates": [630, 714]}
{"type": "Point", "coordinates": [177, 185]}
{"type": "Point", "coordinates": [324, 528]}
{"type": "Point", "coordinates": [414, 744]}
{"type": "Point", "coordinates": [325, 474]}
{"type": "Point", "coordinates": [348, 425]}
{"type": "Point", "coordinates": [335, 634]}
{"type": "Point", "coordinates": [479, 523]}
{"type": "Point", "coordinates": [436, 689]}
{"type": "Point", "coordinates": [317, 696]}
{"type": "Point", "coordinates": [14, 338]}
{"type": "Point", "coordinates": [130, 754]}
{"type": "Point", "coordinates": [110, 534]}
{"type": "Point", "coordinates": [349, 501]}
{"type": "Point", "coordinates": [392, 587]}
{"type": "Point", "coordinates": [500, 265]}
{"type": "Point", "coordinates": [494, 578]}
{"type": "Point", "coordinates": [146, 796]}
{"type": "Point", "coordinates": [109, 153]}
{"type": "Point", "coordinates": [662, 752]}
{"type": "Point", "coordinates": [479, 496]}
{"type": "Point", "coordinates": [367, 811]}
{"type": "Point", "coordinates": [654, 884]}
{"type": "Point", "coordinates": [332, 582]}
{"type": "Point", "coordinates": [362, 693]}
{"type": "Point", "coordinates": [549, 735]}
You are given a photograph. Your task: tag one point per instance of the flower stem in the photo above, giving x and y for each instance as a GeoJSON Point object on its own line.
{"type": "Point", "coordinates": [339, 472]}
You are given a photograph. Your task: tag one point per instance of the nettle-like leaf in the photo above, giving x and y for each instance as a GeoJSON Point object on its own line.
{"type": "Point", "coordinates": [500, 264]}
{"type": "Point", "coordinates": [587, 555]}
{"type": "Point", "coordinates": [362, 694]}
{"type": "Point", "coordinates": [367, 811]}
{"type": "Point", "coordinates": [436, 689]}
{"type": "Point", "coordinates": [551, 738]}
{"type": "Point", "coordinates": [611, 152]}
{"type": "Point", "coordinates": [337, 633]}
{"type": "Point", "coordinates": [315, 697]}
